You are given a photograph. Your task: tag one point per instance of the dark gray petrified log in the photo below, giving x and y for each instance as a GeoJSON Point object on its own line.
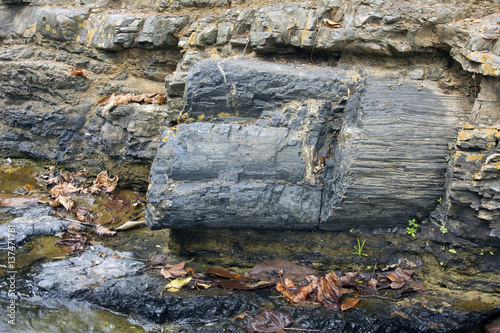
{"type": "Point", "coordinates": [391, 154]}
{"type": "Point", "coordinates": [284, 150]}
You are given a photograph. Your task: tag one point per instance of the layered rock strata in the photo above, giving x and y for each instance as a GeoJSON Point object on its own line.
{"type": "Point", "coordinates": [299, 147]}
{"type": "Point", "coordinates": [149, 47]}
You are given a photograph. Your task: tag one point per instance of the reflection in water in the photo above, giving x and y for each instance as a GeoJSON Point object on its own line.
{"type": "Point", "coordinates": [42, 315]}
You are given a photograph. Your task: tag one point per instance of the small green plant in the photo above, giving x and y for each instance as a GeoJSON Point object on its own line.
{"type": "Point", "coordinates": [452, 251]}
{"type": "Point", "coordinates": [351, 230]}
{"type": "Point", "coordinates": [359, 248]}
{"type": "Point", "coordinates": [447, 158]}
{"type": "Point", "coordinates": [443, 229]}
{"type": "Point", "coordinates": [440, 200]}
{"type": "Point", "coordinates": [412, 228]}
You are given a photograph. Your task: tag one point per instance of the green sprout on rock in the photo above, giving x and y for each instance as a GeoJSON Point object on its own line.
{"type": "Point", "coordinates": [359, 248]}
{"type": "Point", "coordinates": [443, 229]}
{"type": "Point", "coordinates": [412, 228]}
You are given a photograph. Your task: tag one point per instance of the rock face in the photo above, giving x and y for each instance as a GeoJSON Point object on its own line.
{"type": "Point", "coordinates": [259, 171]}
{"type": "Point", "coordinates": [297, 159]}
{"type": "Point", "coordinates": [474, 200]}
{"type": "Point", "coordinates": [113, 280]}
{"type": "Point", "coordinates": [356, 161]}
{"type": "Point", "coordinates": [390, 163]}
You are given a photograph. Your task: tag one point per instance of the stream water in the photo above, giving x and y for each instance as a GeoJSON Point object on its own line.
{"type": "Point", "coordinates": [37, 314]}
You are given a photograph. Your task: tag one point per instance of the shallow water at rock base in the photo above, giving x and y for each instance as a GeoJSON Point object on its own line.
{"type": "Point", "coordinates": [462, 284]}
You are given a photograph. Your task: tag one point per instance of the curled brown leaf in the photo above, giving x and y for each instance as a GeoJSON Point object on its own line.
{"type": "Point", "coordinates": [113, 100]}
{"type": "Point", "coordinates": [79, 72]}
{"type": "Point", "coordinates": [226, 274]}
{"type": "Point", "coordinates": [103, 231]}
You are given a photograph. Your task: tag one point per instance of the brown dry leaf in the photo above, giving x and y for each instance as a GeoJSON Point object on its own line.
{"type": "Point", "coordinates": [158, 259]}
{"type": "Point", "coordinates": [348, 303]}
{"type": "Point", "coordinates": [411, 286]}
{"type": "Point", "coordinates": [66, 175]}
{"type": "Point", "coordinates": [397, 284]}
{"type": "Point", "coordinates": [66, 201]}
{"type": "Point", "coordinates": [119, 204]}
{"type": "Point", "coordinates": [400, 275]}
{"type": "Point", "coordinates": [329, 291]}
{"type": "Point", "coordinates": [278, 267]}
{"type": "Point", "coordinates": [79, 72]}
{"type": "Point", "coordinates": [400, 314]}
{"type": "Point", "coordinates": [79, 177]}
{"type": "Point", "coordinates": [172, 271]}
{"type": "Point", "coordinates": [269, 321]}
{"type": "Point", "coordinates": [189, 271]}
{"type": "Point", "coordinates": [332, 24]}
{"type": "Point", "coordinates": [241, 316]}
{"type": "Point", "coordinates": [296, 294]}
{"type": "Point", "coordinates": [52, 181]}
{"type": "Point", "coordinates": [103, 182]}
{"type": "Point", "coordinates": [71, 242]}
{"type": "Point", "coordinates": [362, 282]}
{"type": "Point", "coordinates": [100, 230]}
{"type": "Point", "coordinates": [84, 214]}
{"type": "Point", "coordinates": [47, 201]}
{"type": "Point", "coordinates": [74, 227]}
{"type": "Point", "coordinates": [65, 188]}
{"type": "Point", "coordinates": [122, 99]}
{"type": "Point", "coordinates": [326, 290]}
{"type": "Point", "coordinates": [114, 99]}
{"type": "Point", "coordinates": [226, 274]}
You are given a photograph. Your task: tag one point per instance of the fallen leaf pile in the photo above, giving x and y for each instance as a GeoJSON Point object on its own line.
{"type": "Point", "coordinates": [292, 282]}
{"type": "Point", "coordinates": [113, 100]}
{"type": "Point", "coordinates": [74, 242]}
{"type": "Point", "coordinates": [67, 186]}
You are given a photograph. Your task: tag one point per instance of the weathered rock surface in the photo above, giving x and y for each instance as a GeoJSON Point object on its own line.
{"type": "Point", "coordinates": [386, 162]}
{"type": "Point", "coordinates": [233, 175]}
{"type": "Point", "coordinates": [79, 275]}
{"type": "Point", "coordinates": [390, 158]}
{"type": "Point", "coordinates": [32, 224]}
{"type": "Point", "coordinates": [105, 278]}
{"type": "Point", "coordinates": [474, 191]}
